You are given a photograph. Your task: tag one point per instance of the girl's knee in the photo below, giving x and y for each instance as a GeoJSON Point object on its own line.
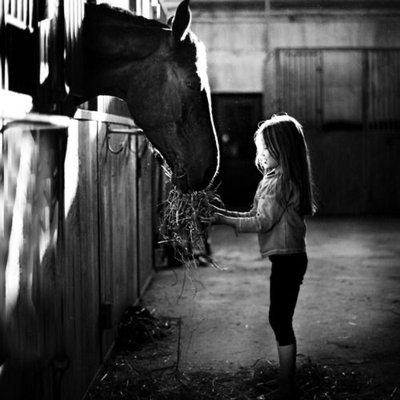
{"type": "Point", "coordinates": [282, 328]}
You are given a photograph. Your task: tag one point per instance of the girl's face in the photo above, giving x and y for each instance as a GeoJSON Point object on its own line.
{"type": "Point", "coordinates": [264, 158]}
{"type": "Point", "coordinates": [267, 161]}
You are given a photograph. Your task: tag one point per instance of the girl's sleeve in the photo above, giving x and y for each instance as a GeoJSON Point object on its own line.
{"type": "Point", "coordinates": [238, 214]}
{"type": "Point", "coordinates": [269, 211]}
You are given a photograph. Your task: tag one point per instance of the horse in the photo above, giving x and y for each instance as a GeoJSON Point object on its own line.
{"type": "Point", "coordinates": [160, 71]}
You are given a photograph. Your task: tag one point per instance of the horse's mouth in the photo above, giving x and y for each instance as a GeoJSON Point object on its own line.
{"type": "Point", "coordinates": [180, 179]}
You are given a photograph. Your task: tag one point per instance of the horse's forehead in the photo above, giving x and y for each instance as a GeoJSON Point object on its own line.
{"type": "Point", "coordinates": [192, 56]}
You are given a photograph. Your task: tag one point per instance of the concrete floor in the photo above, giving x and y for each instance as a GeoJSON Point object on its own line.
{"type": "Point", "coordinates": [348, 311]}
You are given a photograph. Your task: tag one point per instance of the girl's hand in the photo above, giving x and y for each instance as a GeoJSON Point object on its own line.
{"type": "Point", "coordinates": [218, 209]}
{"type": "Point", "coordinates": [215, 219]}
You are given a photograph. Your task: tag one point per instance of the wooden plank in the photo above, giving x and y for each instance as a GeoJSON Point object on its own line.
{"type": "Point", "coordinates": [81, 275]}
{"type": "Point", "coordinates": [19, 317]}
{"type": "Point", "coordinates": [106, 218]}
{"type": "Point", "coordinates": [3, 58]}
{"type": "Point", "coordinates": [103, 117]}
{"type": "Point", "coordinates": [4, 232]}
{"type": "Point", "coordinates": [131, 210]}
{"type": "Point", "coordinates": [118, 236]}
{"type": "Point", "coordinates": [145, 229]}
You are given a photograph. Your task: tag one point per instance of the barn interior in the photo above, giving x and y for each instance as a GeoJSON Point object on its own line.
{"type": "Point", "coordinates": [81, 197]}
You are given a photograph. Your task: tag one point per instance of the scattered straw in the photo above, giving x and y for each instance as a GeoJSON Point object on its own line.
{"type": "Point", "coordinates": [152, 373]}
{"type": "Point", "coordinates": [182, 223]}
{"type": "Point", "coordinates": [314, 381]}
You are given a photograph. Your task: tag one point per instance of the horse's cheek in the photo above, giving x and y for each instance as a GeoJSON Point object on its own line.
{"type": "Point", "coordinates": [169, 104]}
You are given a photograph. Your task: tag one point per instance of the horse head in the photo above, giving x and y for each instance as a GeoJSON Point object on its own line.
{"type": "Point", "coordinates": [160, 71]}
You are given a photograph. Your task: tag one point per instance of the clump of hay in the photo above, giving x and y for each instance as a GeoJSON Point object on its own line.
{"type": "Point", "coordinates": [182, 223]}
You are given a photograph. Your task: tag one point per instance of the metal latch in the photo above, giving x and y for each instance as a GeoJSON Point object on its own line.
{"type": "Point", "coordinates": [134, 130]}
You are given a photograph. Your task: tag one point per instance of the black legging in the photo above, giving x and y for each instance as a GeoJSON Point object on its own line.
{"type": "Point", "coordinates": [286, 277]}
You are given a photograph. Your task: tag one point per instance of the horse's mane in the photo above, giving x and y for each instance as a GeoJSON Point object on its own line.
{"type": "Point", "coordinates": [190, 50]}
{"type": "Point", "coordinates": [120, 15]}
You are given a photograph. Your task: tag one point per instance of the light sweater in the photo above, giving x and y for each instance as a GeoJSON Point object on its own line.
{"type": "Point", "coordinates": [281, 229]}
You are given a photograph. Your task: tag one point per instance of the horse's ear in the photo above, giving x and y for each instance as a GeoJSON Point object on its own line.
{"type": "Point", "coordinates": [181, 21]}
{"type": "Point", "coordinates": [170, 19]}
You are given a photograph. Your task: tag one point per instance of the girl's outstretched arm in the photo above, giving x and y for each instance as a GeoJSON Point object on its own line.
{"type": "Point", "coordinates": [269, 212]}
{"type": "Point", "coordinates": [236, 214]}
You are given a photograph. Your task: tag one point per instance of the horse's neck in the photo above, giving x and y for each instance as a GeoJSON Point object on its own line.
{"type": "Point", "coordinates": [116, 51]}
{"type": "Point", "coordinates": [110, 79]}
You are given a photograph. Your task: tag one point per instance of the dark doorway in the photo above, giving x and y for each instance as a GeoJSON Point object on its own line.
{"type": "Point", "coordinates": [236, 117]}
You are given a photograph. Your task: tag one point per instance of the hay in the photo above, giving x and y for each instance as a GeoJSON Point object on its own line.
{"type": "Point", "coordinates": [315, 382]}
{"type": "Point", "coordinates": [138, 326]}
{"type": "Point", "coordinates": [182, 223]}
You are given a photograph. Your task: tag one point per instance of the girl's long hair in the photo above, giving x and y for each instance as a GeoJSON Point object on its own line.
{"type": "Point", "coordinates": [283, 137]}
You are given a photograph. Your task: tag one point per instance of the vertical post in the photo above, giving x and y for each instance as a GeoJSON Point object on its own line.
{"type": "Point", "coordinates": [3, 245]}
{"type": "Point", "coordinates": [3, 60]}
{"type": "Point", "coordinates": [137, 224]}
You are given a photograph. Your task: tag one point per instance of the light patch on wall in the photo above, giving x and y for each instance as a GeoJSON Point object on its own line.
{"type": "Point", "coordinates": [146, 9]}
{"type": "Point", "coordinates": [116, 3]}
{"type": "Point", "coordinates": [2, 186]}
{"type": "Point", "coordinates": [14, 105]}
{"type": "Point", "coordinates": [44, 45]}
{"type": "Point", "coordinates": [44, 236]}
{"type": "Point", "coordinates": [93, 132]}
{"type": "Point", "coordinates": [71, 167]}
{"type": "Point", "coordinates": [16, 242]}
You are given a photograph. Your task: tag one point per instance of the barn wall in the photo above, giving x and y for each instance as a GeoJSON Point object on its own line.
{"type": "Point", "coordinates": [343, 30]}
{"type": "Point", "coordinates": [326, 66]}
{"type": "Point", "coordinates": [235, 43]}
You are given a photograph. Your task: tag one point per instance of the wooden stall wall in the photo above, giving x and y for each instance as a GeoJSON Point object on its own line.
{"type": "Point", "coordinates": [78, 222]}
{"type": "Point", "coordinates": [31, 322]}
{"type": "Point", "coordinates": [79, 218]}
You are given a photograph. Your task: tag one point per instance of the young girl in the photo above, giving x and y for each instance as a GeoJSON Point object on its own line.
{"type": "Point", "coordinates": [283, 198]}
